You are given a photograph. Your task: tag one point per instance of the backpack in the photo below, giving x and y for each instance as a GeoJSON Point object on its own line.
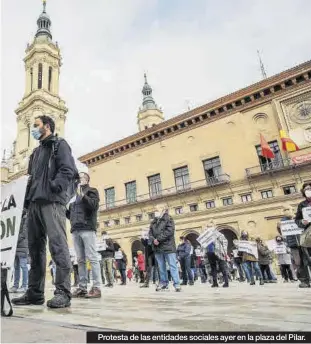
{"type": "Point", "coordinates": [73, 185]}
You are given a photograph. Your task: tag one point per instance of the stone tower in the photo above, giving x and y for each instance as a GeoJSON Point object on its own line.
{"type": "Point", "coordinates": [149, 114]}
{"type": "Point", "coordinates": [41, 97]}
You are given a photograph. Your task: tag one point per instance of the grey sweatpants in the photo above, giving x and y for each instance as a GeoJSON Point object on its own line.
{"type": "Point", "coordinates": [47, 220]}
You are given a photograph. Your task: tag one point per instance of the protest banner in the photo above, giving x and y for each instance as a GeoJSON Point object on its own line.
{"type": "Point", "coordinates": [12, 205]}
{"type": "Point", "coordinates": [101, 246]}
{"type": "Point", "coordinates": [290, 227]}
{"type": "Point", "coordinates": [207, 237]}
{"type": "Point", "coordinates": [271, 244]}
{"type": "Point", "coordinates": [306, 213]}
{"type": "Point", "coordinates": [280, 248]}
{"type": "Point", "coordinates": [249, 247]}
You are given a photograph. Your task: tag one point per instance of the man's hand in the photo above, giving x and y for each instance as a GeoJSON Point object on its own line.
{"type": "Point", "coordinates": [155, 241]}
{"type": "Point", "coordinates": [305, 222]}
{"type": "Point", "coordinates": [80, 192]}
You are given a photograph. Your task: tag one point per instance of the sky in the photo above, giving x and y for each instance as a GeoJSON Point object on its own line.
{"type": "Point", "coordinates": [193, 51]}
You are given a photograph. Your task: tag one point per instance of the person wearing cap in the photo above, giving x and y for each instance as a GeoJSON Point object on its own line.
{"type": "Point", "coordinates": [82, 214]}
{"type": "Point", "coordinates": [303, 272]}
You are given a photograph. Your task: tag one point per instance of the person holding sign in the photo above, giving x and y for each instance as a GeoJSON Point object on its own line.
{"type": "Point", "coordinates": [52, 176]}
{"type": "Point", "coordinates": [284, 258]}
{"type": "Point", "coordinates": [303, 220]}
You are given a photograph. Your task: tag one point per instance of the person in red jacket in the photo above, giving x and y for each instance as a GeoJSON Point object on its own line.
{"type": "Point", "coordinates": [141, 265]}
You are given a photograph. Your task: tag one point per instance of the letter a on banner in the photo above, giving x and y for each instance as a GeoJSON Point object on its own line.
{"type": "Point", "coordinates": [12, 205]}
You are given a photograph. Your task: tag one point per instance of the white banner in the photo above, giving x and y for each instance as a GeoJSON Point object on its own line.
{"type": "Point", "coordinates": [249, 247]}
{"type": "Point", "coordinates": [271, 244]}
{"type": "Point", "coordinates": [280, 248]}
{"type": "Point", "coordinates": [290, 227]}
{"type": "Point", "coordinates": [306, 213]}
{"type": "Point", "coordinates": [118, 255]}
{"type": "Point", "coordinates": [101, 246]}
{"type": "Point", "coordinates": [207, 237]}
{"type": "Point", "coordinates": [12, 205]}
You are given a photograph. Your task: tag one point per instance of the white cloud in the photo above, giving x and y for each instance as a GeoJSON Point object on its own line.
{"type": "Point", "coordinates": [196, 51]}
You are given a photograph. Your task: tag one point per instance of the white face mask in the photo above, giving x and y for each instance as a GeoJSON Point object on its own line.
{"type": "Point", "coordinates": [104, 237]}
{"type": "Point", "coordinates": [308, 193]}
{"type": "Point", "coordinates": [157, 214]}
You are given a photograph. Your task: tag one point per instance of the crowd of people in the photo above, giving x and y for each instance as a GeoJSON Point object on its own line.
{"type": "Point", "coordinates": [54, 181]}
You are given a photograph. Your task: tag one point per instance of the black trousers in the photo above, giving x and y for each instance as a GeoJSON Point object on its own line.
{"type": "Point", "coordinates": [47, 220]}
{"type": "Point", "coordinates": [185, 264]}
{"type": "Point", "coordinates": [150, 268]}
{"type": "Point", "coordinates": [266, 268]}
{"type": "Point", "coordinates": [286, 272]}
{"type": "Point", "coordinates": [76, 274]}
{"type": "Point", "coordinates": [223, 267]}
{"type": "Point", "coordinates": [305, 265]}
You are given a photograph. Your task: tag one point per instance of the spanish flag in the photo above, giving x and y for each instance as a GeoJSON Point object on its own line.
{"type": "Point", "coordinates": [288, 144]}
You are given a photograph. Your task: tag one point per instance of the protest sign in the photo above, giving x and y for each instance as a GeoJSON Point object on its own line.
{"type": "Point", "coordinates": [118, 255]}
{"type": "Point", "coordinates": [271, 244]}
{"type": "Point", "coordinates": [198, 252]}
{"type": "Point", "coordinates": [290, 227]}
{"type": "Point", "coordinates": [207, 237]}
{"type": "Point", "coordinates": [306, 213]}
{"type": "Point", "coordinates": [101, 246]}
{"type": "Point", "coordinates": [235, 253]}
{"type": "Point", "coordinates": [12, 205]}
{"type": "Point", "coordinates": [249, 247]}
{"type": "Point", "coordinates": [280, 248]}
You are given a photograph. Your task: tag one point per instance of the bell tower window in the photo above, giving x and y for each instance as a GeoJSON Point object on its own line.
{"type": "Point", "coordinates": [50, 78]}
{"type": "Point", "coordinates": [40, 76]}
{"type": "Point", "coordinates": [31, 79]}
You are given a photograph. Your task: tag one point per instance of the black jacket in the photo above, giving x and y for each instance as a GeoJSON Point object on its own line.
{"type": "Point", "coordinates": [299, 216]}
{"type": "Point", "coordinates": [82, 213]}
{"type": "Point", "coordinates": [109, 252]}
{"type": "Point", "coordinates": [50, 176]}
{"type": "Point", "coordinates": [291, 240]}
{"type": "Point", "coordinates": [163, 230]}
{"type": "Point", "coordinates": [22, 242]}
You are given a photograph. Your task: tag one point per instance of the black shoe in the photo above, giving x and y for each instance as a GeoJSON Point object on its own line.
{"type": "Point", "coordinates": [25, 301]}
{"type": "Point", "coordinates": [60, 300]}
{"type": "Point", "coordinates": [178, 289]}
{"type": "Point", "coordinates": [144, 286]}
{"type": "Point", "coordinates": [261, 282]}
{"type": "Point", "coordinates": [109, 285]}
{"type": "Point", "coordinates": [252, 283]}
{"type": "Point", "coordinates": [301, 285]}
{"type": "Point", "coordinates": [215, 285]}
{"type": "Point", "coordinates": [184, 283]}
{"type": "Point", "coordinates": [162, 287]}
{"type": "Point", "coordinates": [191, 283]}
{"type": "Point", "coordinates": [225, 285]}
{"type": "Point", "coordinates": [79, 293]}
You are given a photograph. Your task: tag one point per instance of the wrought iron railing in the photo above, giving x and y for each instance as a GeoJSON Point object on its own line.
{"type": "Point", "coordinates": [204, 183]}
{"type": "Point", "coordinates": [273, 166]}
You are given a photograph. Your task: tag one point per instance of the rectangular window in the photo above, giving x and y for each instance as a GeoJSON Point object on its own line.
{"type": "Point", "coordinates": [266, 194]}
{"type": "Point", "coordinates": [182, 181]}
{"type": "Point", "coordinates": [110, 197]}
{"type": "Point", "coordinates": [151, 216]}
{"type": "Point", "coordinates": [130, 188]}
{"type": "Point", "coordinates": [116, 222]}
{"type": "Point", "coordinates": [194, 207]}
{"type": "Point", "coordinates": [288, 190]}
{"type": "Point", "coordinates": [246, 198]}
{"type": "Point", "coordinates": [139, 217]}
{"type": "Point", "coordinates": [227, 201]}
{"type": "Point", "coordinates": [106, 223]}
{"type": "Point", "coordinates": [179, 210]}
{"type": "Point", "coordinates": [50, 79]}
{"type": "Point", "coordinates": [266, 163]}
{"type": "Point", "coordinates": [127, 220]}
{"type": "Point", "coordinates": [155, 187]}
{"type": "Point", "coordinates": [31, 79]}
{"type": "Point", "coordinates": [210, 204]}
{"type": "Point", "coordinates": [212, 169]}
{"type": "Point", "coordinates": [40, 75]}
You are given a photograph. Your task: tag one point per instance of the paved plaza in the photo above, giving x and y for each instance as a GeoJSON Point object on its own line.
{"type": "Point", "coordinates": [272, 307]}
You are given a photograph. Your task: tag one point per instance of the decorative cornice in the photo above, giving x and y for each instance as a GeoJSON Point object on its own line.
{"type": "Point", "coordinates": [254, 95]}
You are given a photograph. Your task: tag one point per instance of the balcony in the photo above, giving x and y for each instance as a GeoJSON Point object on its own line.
{"type": "Point", "coordinates": [187, 188]}
{"type": "Point", "coordinates": [272, 167]}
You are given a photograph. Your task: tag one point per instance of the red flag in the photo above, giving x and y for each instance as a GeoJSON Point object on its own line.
{"type": "Point", "coordinates": [265, 148]}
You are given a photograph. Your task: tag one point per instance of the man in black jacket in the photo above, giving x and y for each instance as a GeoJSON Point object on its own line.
{"type": "Point", "coordinates": [162, 236]}
{"type": "Point", "coordinates": [83, 219]}
{"type": "Point", "coordinates": [107, 256]}
{"type": "Point", "coordinates": [21, 258]}
{"type": "Point", "coordinates": [52, 171]}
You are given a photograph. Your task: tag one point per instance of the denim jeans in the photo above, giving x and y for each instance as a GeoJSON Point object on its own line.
{"type": "Point", "coordinates": [246, 271]}
{"type": "Point", "coordinates": [254, 266]}
{"type": "Point", "coordinates": [171, 259]}
{"type": "Point", "coordinates": [187, 274]}
{"type": "Point", "coordinates": [20, 263]}
{"type": "Point", "coordinates": [84, 242]}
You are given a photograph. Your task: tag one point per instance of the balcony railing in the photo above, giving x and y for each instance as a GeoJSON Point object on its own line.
{"type": "Point", "coordinates": [271, 167]}
{"type": "Point", "coordinates": [200, 184]}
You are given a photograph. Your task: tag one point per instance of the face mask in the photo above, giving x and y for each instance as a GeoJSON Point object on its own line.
{"type": "Point", "coordinates": [104, 237]}
{"type": "Point", "coordinates": [308, 193]}
{"type": "Point", "coordinates": [157, 214]}
{"type": "Point", "coordinates": [36, 133]}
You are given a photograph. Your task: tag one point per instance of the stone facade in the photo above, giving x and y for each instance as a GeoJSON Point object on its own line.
{"type": "Point", "coordinates": [171, 165]}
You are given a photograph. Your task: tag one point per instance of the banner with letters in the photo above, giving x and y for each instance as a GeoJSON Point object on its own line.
{"type": "Point", "coordinates": [306, 213]}
{"type": "Point", "coordinates": [249, 247]}
{"type": "Point", "coordinates": [207, 237]}
{"type": "Point", "coordinates": [290, 227]}
{"type": "Point", "coordinates": [280, 249]}
{"type": "Point", "coordinates": [12, 205]}
{"type": "Point", "coordinates": [101, 246]}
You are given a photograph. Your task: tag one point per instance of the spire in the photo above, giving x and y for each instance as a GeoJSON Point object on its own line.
{"type": "Point", "coordinates": [148, 101]}
{"type": "Point", "coordinates": [262, 67]}
{"type": "Point", "coordinates": [44, 23]}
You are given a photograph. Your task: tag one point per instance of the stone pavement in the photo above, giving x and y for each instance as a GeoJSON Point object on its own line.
{"type": "Point", "coordinates": [272, 307]}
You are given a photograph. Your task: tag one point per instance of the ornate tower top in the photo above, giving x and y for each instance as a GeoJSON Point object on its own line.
{"type": "Point", "coordinates": [148, 101]}
{"type": "Point", "coordinates": [44, 23]}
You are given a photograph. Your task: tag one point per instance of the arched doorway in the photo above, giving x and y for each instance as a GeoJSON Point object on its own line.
{"type": "Point", "coordinates": [230, 236]}
{"type": "Point", "coordinates": [192, 237]}
{"type": "Point", "coordinates": [136, 246]}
